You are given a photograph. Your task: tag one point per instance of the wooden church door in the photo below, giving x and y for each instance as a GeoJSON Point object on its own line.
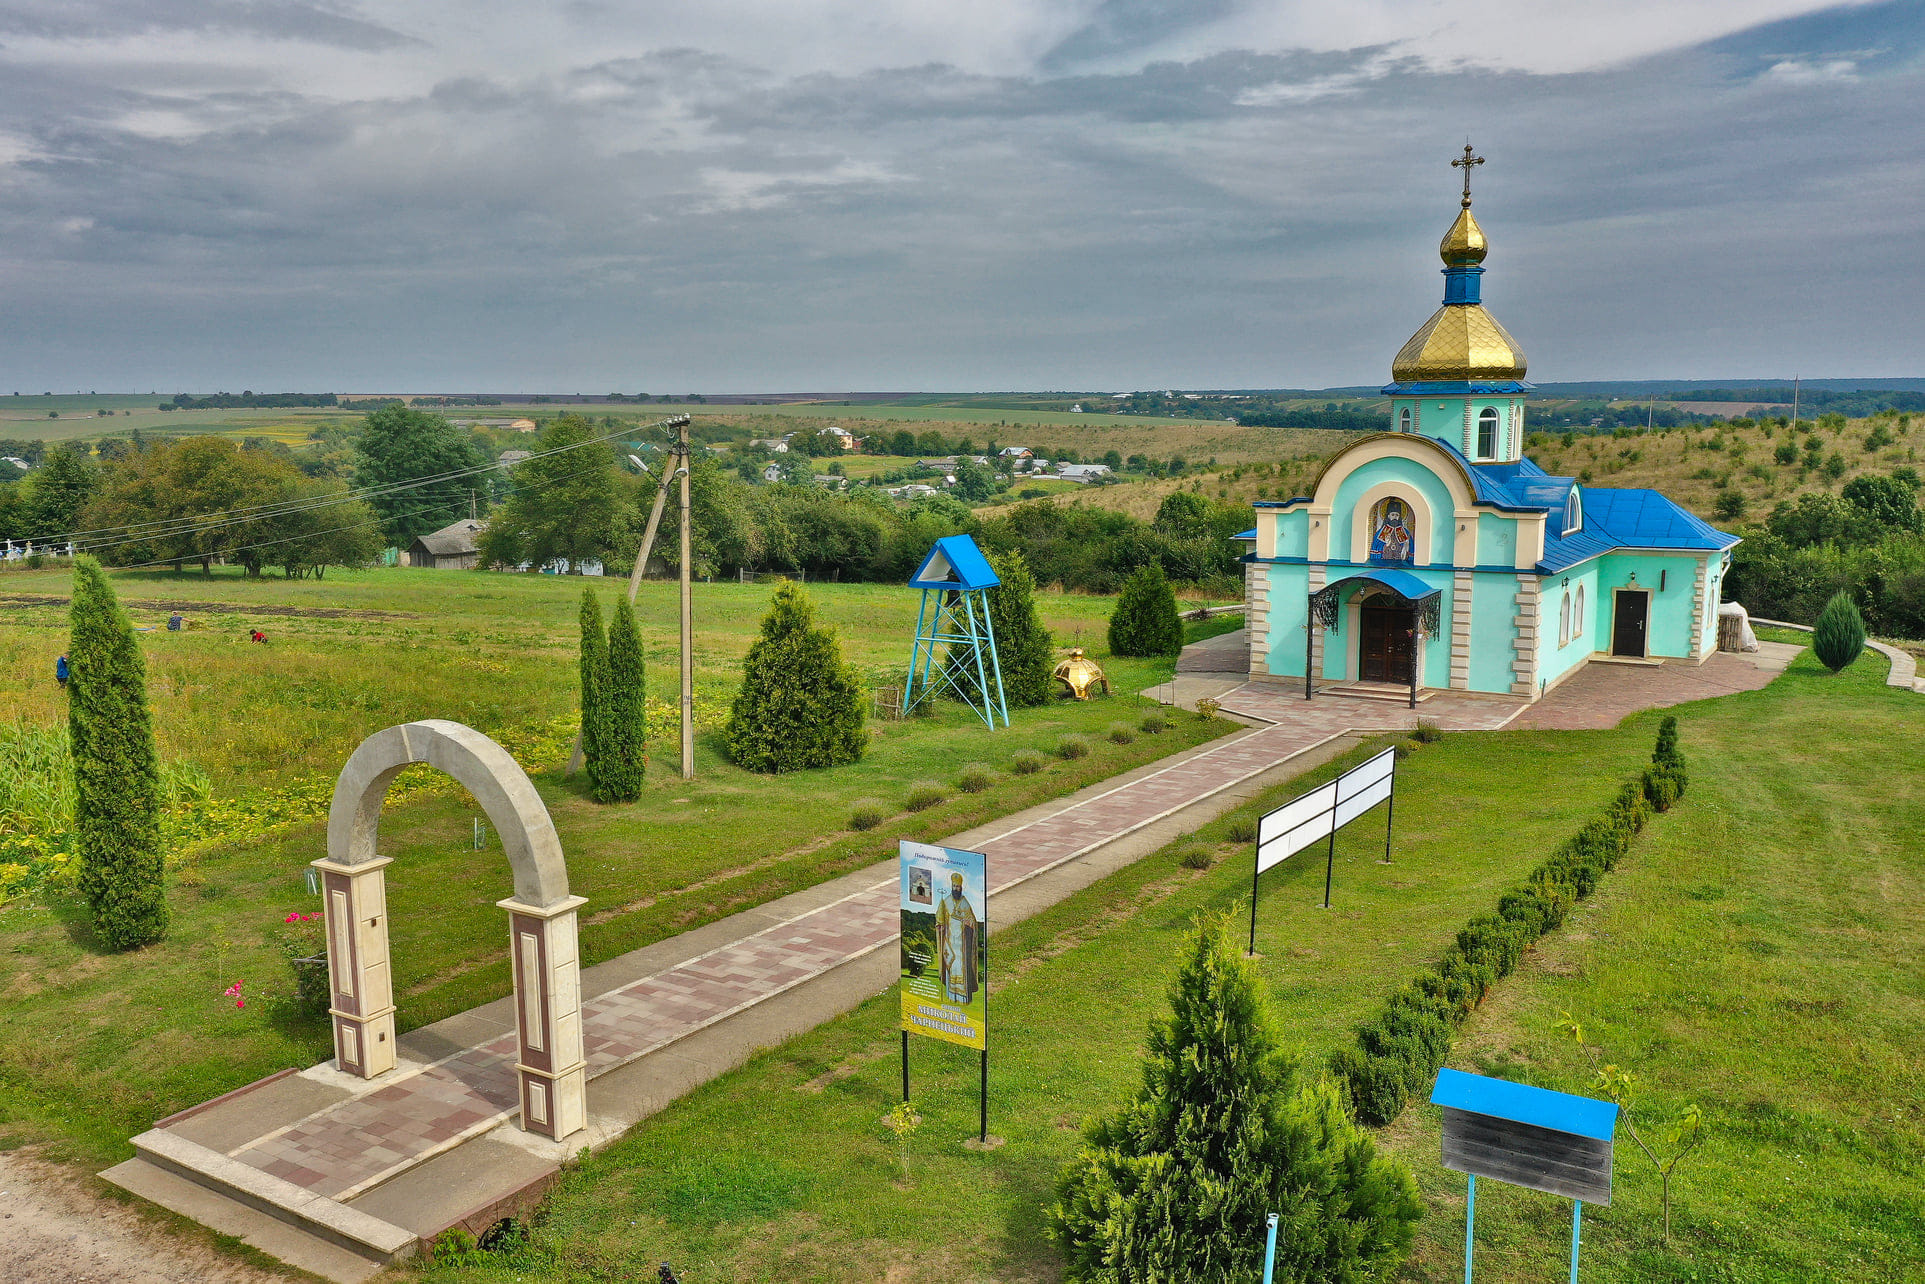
{"type": "Point", "coordinates": [1633, 607]}
{"type": "Point", "coordinates": [1384, 651]}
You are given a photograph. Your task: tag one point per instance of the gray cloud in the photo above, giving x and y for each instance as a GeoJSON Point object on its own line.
{"type": "Point", "coordinates": [680, 218]}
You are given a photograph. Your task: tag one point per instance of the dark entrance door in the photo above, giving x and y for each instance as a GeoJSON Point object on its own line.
{"type": "Point", "coordinates": [1627, 629]}
{"type": "Point", "coordinates": [1384, 654]}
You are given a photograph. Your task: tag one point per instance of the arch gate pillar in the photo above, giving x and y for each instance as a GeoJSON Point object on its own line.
{"type": "Point", "coordinates": [542, 916]}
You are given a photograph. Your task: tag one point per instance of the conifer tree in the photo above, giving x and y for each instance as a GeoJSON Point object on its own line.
{"type": "Point", "coordinates": [594, 680]}
{"type": "Point", "coordinates": [799, 706]}
{"type": "Point", "coordinates": [1023, 646]}
{"type": "Point", "coordinates": [1176, 1185]}
{"type": "Point", "coordinates": [116, 771]}
{"type": "Point", "coordinates": [1839, 635]}
{"type": "Point", "coordinates": [625, 732]}
{"type": "Point", "coordinates": [1144, 622]}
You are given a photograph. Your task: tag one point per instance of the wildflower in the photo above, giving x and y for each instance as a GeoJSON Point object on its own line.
{"type": "Point", "coordinates": [233, 991]}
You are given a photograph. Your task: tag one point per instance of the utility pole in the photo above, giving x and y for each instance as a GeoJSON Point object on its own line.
{"type": "Point", "coordinates": [471, 505]}
{"type": "Point", "coordinates": [1794, 403]}
{"type": "Point", "coordinates": [688, 658]}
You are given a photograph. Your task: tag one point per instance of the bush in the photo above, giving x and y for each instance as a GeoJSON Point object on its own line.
{"type": "Point", "coordinates": [867, 814]}
{"type": "Point", "coordinates": [799, 706]}
{"type": "Point", "coordinates": [593, 665]}
{"type": "Point", "coordinates": [1121, 733]}
{"type": "Point", "coordinates": [1026, 762]}
{"type": "Point", "coordinates": [1070, 748]}
{"type": "Point", "coordinates": [1023, 645]}
{"type": "Point", "coordinates": [1243, 829]}
{"type": "Point", "coordinates": [1427, 732]}
{"type": "Point", "coordinates": [1176, 1185]}
{"type": "Point", "coordinates": [116, 771]}
{"type": "Point", "coordinates": [1196, 856]}
{"type": "Point", "coordinates": [923, 795]}
{"type": "Point", "coordinates": [1145, 621]}
{"type": "Point", "coordinates": [624, 712]}
{"type": "Point", "coordinates": [1839, 636]}
{"type": "Point", "coordinates": [974, 778]}
{"type": "Point", "coordinates": [1398, 1051]}
{"type": "Point", "coordinates": [1153, 724]}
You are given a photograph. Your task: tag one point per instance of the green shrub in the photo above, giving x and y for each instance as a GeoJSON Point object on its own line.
{"type": "Point", "coordinates": [625, 712]}
{"type": "Point", "coordinates": [799, 706]}
{"type": "Point", "coordinates": [867, 813]}
{"type": "Point", "coordinates": [116, 771]}
{"type": "Point", "coordinates": [593, 666]}
{"type": "Point", "coordinates": [1121, 733]}
{"type": "Point", "coordinates": [1026, 762]}
{"type": "Point", "coordinates": [1145, 621]}
{"type": "Point", "coordinates": [1427, 732]}
{"type": "Point", "coordinates": [1023, 645]}
{"type": "Point", "coordinates": [1839, 636]}
{"type": "Point", "coordinates": [1071, 748]}
{"type": "Point", "coordinates": [1177, 1184]}
{"type": "Point", "coordinates": [1153, 724]}
{"type": "Point", "coordinates": [974, 778]}
{"type": "Point", "coordinates": [923, 795]}
{"type": "Point", "coordinates": [1242, 829]}
{"type": "Point", "coordinates": [1196, 856]}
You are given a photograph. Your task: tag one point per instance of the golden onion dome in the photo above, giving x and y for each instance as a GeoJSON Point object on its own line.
{"type": "Point", "coordinates": [1460, 341]}
{"type": "Point", "coordinates": [1464, 243]}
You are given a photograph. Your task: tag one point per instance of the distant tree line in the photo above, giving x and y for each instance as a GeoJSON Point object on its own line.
{"type": "Point", "coordinates": [1856, 404]}
{"type": "Point", "coordinates": [250, 401]}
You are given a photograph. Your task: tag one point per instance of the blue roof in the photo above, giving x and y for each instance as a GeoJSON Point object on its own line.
{"type": "Point", "coordinates": [1397, 581]}
{"type": "Point", "coordinates": [1249, 534]}
{"type": "Point", "coordinates": [1646, 519]}
{"type": "Point", "coordinates": [1521, 1103]}
{"type": "Point", "coordinates": [954, 562]}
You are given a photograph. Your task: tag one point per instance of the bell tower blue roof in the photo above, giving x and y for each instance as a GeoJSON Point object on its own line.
{"type": "Point", "coordinates": [955, 563]}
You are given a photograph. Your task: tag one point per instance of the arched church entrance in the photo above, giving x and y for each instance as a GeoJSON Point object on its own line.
{"type": "Point", "coordinates": [541, 916]}
{"type": "Point", "coordinates": [1386, 641]}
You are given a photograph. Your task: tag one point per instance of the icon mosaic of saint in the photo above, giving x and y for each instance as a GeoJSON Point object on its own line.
{"type": "Point", "coordinates": [1391, 542]}
{"type": "Point", "coordinates": [957, 933]}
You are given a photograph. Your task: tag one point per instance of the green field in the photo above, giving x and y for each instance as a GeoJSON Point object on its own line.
{"type": "Point", "coordinates": [1758, 952]}
{"type": "Point", "coordinates": [95, 1046]}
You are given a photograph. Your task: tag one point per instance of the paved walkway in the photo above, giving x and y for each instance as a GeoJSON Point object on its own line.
{"type": "Point", "coordinates": [1601, 695]}
{"type": "Point", "coordinates": [355, 1144]}
{"type": "Point", "coordinates": [1283, 704]}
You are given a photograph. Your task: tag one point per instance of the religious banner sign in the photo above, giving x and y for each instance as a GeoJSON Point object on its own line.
{"type": "Point", "coordinates": [945, 944]}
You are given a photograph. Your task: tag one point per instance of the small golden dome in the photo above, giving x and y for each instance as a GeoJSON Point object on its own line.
{"type": "Point", "coordinates": [1081, 675]}
{"type": "Point", "coordinates": [1460, 341]}
{"type": "Point", "coordinates": [1464, 244]}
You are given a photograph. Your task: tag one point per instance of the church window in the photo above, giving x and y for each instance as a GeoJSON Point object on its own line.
{"type": "Point", "coordinates": [1577, 614]}
{"type": "Point", "coordinates": [1403, 420]}
{"type": "Point", "coordinates": [1573, 513]}
{"type": "Point", "coordinates": [1564, 622]}
{"type": "Point", "coordinates": [1487, 433]}
{"type": "Point", "coordinates": [1391, 537]}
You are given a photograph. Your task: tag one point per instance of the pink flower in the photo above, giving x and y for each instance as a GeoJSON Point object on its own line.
{"type": "Point", "coordinates": [240, 1003]}
{"type": "Point", "coordinates": [294, 918]}
{"type": "Point", "coordinates": [233, 990]}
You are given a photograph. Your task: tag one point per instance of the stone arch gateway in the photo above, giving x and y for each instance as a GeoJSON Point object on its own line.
{"type": "Point", "coordinates": [542, 926]}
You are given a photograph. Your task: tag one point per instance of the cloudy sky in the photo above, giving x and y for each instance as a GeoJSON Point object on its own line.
{"type": "Point", "coordinates": [760, 195]}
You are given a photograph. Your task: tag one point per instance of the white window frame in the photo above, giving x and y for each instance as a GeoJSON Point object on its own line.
{"type": "Point", "coordinates": [1403, 420]}
{"type": "Point", "coordinates": [1577, 614]}
{"type": "Point", "coordinates": [1487, 417]}
{"type": "Point", "coordinates": [1564, 621]}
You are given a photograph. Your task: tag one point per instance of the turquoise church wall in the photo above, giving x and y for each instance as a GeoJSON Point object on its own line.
{"type": "Point", "coordinates": [1443, 419]}
{"type": "Point", "coordinates": [1493, 631]}
{"type": "Point", "coordinates": [1555, 661]}
{"type": "Point", "coordinates": [1293, 535]}
{"type": "Point", "coordinates": [1289, 608]}
{"type": "Point", "coordinates": [1404, 472]}
{"type": "Point", "coordinates": [1672, 627]}
{"type": "Point", "coordinates": [1496, 540]}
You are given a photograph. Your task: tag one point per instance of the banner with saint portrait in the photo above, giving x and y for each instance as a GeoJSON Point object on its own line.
{"type": "Point", "coordinates": [945, 943]}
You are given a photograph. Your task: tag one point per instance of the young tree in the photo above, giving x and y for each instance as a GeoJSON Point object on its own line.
{"type": "Point", "coordinates": [594, 693]}
{"type": "Point", "coordinates": [116, 773]}
{"type": "Point", "coordinates": [564, 505]}
{"type": "Point", "coordinates": [625, 726]}
{"type": "Point", "coordinates": [400, 444]}
{"type": "Point", "coordinates": [58, 490]}
{"type": "Point", "coordinates": [1145, 621]}
{"type": "Point", "coordinates": [975, 484]}
{"type": "Point", "coordinates": [1839, 635]}
{"type": "Point", "coordinates": [799, 706]}
{"type": "Point", "coordinates": [1177, 1184]}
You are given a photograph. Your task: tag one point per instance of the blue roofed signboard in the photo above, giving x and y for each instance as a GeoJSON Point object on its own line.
{"type": "Point", "coordinates": [954, 563]}
{"type": "Point", "coordinates": [1532, 1137]}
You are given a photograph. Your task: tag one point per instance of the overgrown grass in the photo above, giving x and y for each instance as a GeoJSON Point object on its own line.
{"type": "Point", "coordinates": [1758, 951]}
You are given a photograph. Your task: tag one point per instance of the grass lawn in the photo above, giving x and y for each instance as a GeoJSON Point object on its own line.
{"type": "Point", "coordinates": [94, 1046]}
{"type": "Point", "coordinates": [1758, 952]}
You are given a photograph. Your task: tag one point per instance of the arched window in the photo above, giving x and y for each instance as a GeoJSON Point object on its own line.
{"type": "Point", "coordinates": [1391, 536]}
{"type": "Point", "coordinates": [1573, 513]}
{"type": "Point", "coordinates": [1487, 433]}
{"type": "Point", "coordinates": [1403, 420]}
{"type": "Point", "coordinates": [1564, 622]}
{"type": "Point", "coordinates": [1577, 614]}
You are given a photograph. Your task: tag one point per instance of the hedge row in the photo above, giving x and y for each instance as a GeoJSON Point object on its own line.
{"type": "Point", "coordinates": [1399, 1050]}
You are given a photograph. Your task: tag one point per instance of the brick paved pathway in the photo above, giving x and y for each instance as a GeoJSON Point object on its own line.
{"type": "Point", "coordinates": [358, 1143]}
{"type": "Point", "coordinates": [1285, 705]}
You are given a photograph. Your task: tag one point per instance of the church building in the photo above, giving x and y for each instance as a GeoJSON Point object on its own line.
{"type": "Point", "coordinates": [1435, 556]}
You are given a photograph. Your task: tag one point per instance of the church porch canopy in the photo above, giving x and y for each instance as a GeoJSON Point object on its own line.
{"type": "Point", "coordinates": [1403, 588]}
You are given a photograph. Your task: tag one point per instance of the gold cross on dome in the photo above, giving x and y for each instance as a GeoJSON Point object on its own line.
{"type": "Point", "coordinates": [1464, 163]}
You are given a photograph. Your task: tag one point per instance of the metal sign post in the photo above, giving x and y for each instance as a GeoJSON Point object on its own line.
{"type": "Point", "coordinates": [1320, 813]}
{"type": "Point", "coordinates": [1531, 1137]}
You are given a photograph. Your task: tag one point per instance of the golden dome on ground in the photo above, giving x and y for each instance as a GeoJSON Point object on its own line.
{"type": "Point", "coordinates": [1460, 341]}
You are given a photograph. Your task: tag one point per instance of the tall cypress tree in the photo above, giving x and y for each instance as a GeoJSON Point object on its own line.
{"type": "Point", "coordinates": [1839, 635]}
{"type": "Point", "coordinates": [1023, 645]}
{"type": "Point", "coordinates": [1145, 620]}
{"type": "Point", "coordinates": [625, 733]}
{"type": "Point", "coordinates": [594, 678]}
{"type": "Point", "coordinates": [116, 771]}
{"type": "Point", "coordinates": [799, 706]}
{"type": "Point", "coordinates": [1176, 1185]}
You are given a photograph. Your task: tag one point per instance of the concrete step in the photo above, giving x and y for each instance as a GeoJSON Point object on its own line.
{"type": "Point", "coordinates": [278, 1217]}
{"type": "Point", "coordinates": [268, 1234]}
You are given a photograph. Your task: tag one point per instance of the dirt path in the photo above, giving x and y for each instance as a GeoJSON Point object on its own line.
{"type": "Point", "coordinates": [53, 1230]}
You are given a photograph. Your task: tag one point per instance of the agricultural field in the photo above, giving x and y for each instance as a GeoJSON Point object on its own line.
{"type": "Point", "coordinates": [1758, 954]}
{"type": "Point", "coordinates": [255, 734]}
